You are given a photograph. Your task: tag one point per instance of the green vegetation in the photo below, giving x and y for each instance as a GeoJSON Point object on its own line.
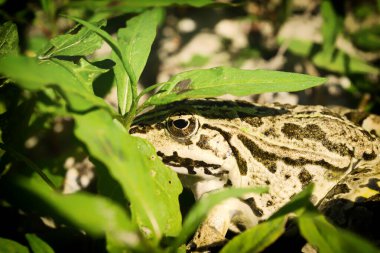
{"type": "Point", "coordinates": [135, 207]}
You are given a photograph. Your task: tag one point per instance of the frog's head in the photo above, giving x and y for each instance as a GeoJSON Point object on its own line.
{"type": "Point", "coordinates": [186, 138]}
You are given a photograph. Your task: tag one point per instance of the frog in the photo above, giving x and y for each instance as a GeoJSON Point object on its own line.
{"type": "Point", "coordinates": [214, 144]}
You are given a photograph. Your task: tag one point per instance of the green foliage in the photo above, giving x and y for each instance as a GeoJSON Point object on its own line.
{"type": "Point", "coordinates": [10, 246]}
{"type": "Point", "coordinates": [8, 39]}
{"type": "Point", "coordinates": [135, 207]}
{"type": "Point", "coordinates": [38, 245]}
{"type": "Point", "coordinates": [224, 80]}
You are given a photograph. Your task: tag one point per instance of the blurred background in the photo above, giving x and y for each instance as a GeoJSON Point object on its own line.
{"type": "Point", "coordinates": [339, 40]}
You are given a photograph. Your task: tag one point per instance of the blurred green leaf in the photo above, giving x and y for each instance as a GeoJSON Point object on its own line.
{"type": "Point", "coordinates": [296, 203]}
{"type": "Point", "coordinates": [151, 187]}
{"type": "Point", "coordinates": [199, 211]}
{"type": "Point", "coordinates": [135, 41]}
{"type": "Point", "coordinates": [38, 245]}
{"type": "Point", "coordinates": [224, 80]}
{"type": "Point", "coordinates": [84, 42]}
{"type": "Point", "coordinates": [329, 239]}
{"type": "Point", "coordinates": [54, 74]}
{"type": "Point", "coordinates": [9, 246]}
{"type": "Point", "coordinates": [331, 26]}
{"type": "Point", "coordinates": [367, 39]}
{"type": "Point", "coordinates": [338, 62]}
{"type": "Point", "coordinates": [257, 238]}
{"type": "Point", "coordinates": [343, 63]}
{"type": "Point", "coordinates": [104, 215]}
{"type": "Point", "coordinates": [8, 39]}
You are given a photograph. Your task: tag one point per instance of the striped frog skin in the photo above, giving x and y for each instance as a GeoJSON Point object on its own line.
{"type": "Point", "coordinates": [213, 144]}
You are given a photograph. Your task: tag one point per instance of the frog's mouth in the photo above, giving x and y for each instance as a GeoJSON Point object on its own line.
{"type": "Point", "coordinates": [188, 166]}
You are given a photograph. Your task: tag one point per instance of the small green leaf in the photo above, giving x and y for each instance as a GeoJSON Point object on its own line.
{"type": "Point", "coordinates": [151, 188]}
{"type": "Point", "coordinates": [343, 63]}
{"type": "Point", "coordinates": [84, 42]}
{"type": "Point", "coordinates": [84, 72]}
{"type": "Point", "coordinates": [296, 204]}
{"type": "Point", "coordinates": [224, 80]}
{"type": "Point", "coordinates": [338, 62]}
{"type": "Point", "coordinates": [55, 74]}
{"type": "Point", "coordinates": [9, 246]}
{"type": "Point", "coordinates": [8, 39]}
{"type": "Point", "coordinates": [136, 42]}
{"type": "Point", "coordinates": [331, 26]}
{"type": "Point", "coordinates": [257, 238]}
{"type": "Point", "coordinates": [329, 239]}
{"type": "Point", "coordinates": [204, 205]}
{"type": "Point", "coordinates": [135, 5]}
{"type": "Point", "coordinates": [367, 39]}
{"type": "Point", "coordinates": [38, 245]}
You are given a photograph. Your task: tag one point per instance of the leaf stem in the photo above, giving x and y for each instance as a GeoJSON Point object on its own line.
{"type": "Point", "coordinates": [30, 163]}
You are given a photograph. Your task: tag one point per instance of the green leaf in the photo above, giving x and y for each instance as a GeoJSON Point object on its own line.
{"type": "Point", "coordinates": [104, 216]}
{"type": "Point", "coordinates": [84, 42]}
{"type": "Point", "coordinates": [55, 74]}
{"type": "Point", "coordinates": [296, 204]}
{"type": "Point", "coordinates": [257, 238]}
{"type": "Point", "coordinates": [367, 39]}
{"type": "Point", "coordinates": [8, 39]}
{"type": "Point", "coordinates": [38, 245]}
{"type": "Point", "coordinates": [224, 80]}
{"type": "Point", "coordinates": [331, 26]}
{"type": "Point", "coordinates": [84, 72]}
{"type": "Point", "coordinates": [343, 63]}
{"type": "Point", "coordinates": [329, 239]}
{"type": "Point", "coordinates": [9, 246]}
{"type": "Point", "coordinates": [151, 187]}
{"type": "Point", "coordinates": [204, 205]}
{"type": "Point", "coordinates": [338, 62]}
{"type": "Point", "coordinates": [136, 42]}
{"type": "Point", "coordinates": [123, 85]}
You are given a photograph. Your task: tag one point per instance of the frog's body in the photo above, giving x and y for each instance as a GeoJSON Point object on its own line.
{"type": "Point", "coordinates": [214, 144]}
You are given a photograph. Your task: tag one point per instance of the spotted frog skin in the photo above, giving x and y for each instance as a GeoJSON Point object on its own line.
{"type": "Point", "coordinates": [213, 144]}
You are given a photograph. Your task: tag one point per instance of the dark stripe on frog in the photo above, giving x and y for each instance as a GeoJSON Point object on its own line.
{"type": "Point", "coordinates": [314, 132]}
{"type": "Point", "coordinates": [203, 142]}
{"type": "Point", "coordinates": [252, 204]}
{"type": "Point", "coordinates": [304, 177]}
{"type": "Point", "coordinates": [242, 164]}
{"type": "Point", "coordinates": [268, 159]}
{"type": "Point", "coordinates": [176, 161]}
{"type": "Point", "coordinates": [337, 189]}
{"type": "Point", "coordinates": [209, 109]}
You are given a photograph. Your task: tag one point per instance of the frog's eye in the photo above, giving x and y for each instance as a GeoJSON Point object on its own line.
{"type": "Point", "coordinates": [182, 126]}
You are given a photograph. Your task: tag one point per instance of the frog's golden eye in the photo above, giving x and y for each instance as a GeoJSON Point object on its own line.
{"type": "Point", "coordinates": [182, 126]}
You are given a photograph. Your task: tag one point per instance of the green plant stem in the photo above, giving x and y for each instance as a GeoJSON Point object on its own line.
{"type": "Point", "coordinates": [30, 163]}
{"type": "Point", "coordinates": [132, 112]}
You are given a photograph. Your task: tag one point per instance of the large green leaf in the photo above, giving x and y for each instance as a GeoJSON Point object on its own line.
{"type": "Point", "coordinates": [225, 80]}
{"type": "Point", "coordinates": [204, 205]}
{"type": "Point", "coordinates": [9, 246]}
{"type": "Point", "coordinates": [37, 75]}
{"type": "Point", "coordinates": [257, 238]}
{"type": "Point", "coordinates": [8, 39]}
{"type": "Point", "coordinates": [38, 245]}
{"type": "Point", "coordinates": [135, 41]}
{"type": "Point", "coordinates": [94, 214]}
{"type": "Point", "coordinates": [329, 239]}
{"type": "Point", "coordinates": [84, 42]}
{"type": "Point", "coordinates": [151, 187]}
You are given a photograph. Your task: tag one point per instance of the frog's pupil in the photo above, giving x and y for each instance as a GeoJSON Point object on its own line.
{"type": "Point", "coordinates": [180, 123]}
